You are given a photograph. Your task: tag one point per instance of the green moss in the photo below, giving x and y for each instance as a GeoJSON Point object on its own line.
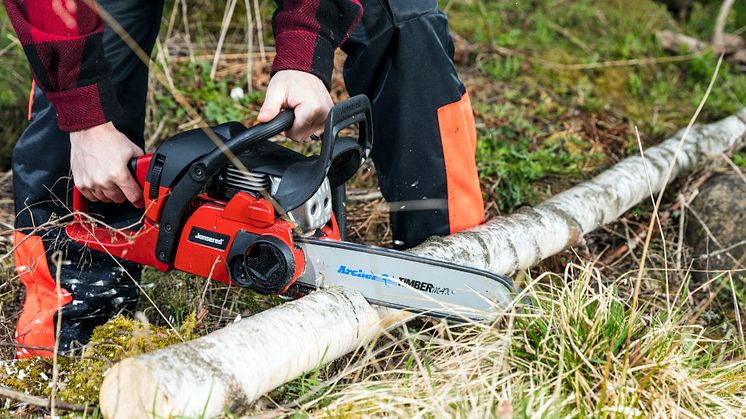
{"type": "Point", "coordinates": [80, 377]}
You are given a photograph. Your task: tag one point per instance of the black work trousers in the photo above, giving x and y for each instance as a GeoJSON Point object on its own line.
{"type": "Point", "coordinates": [400, 56]}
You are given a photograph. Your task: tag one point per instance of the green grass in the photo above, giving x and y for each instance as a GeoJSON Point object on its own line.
{"type": "Point", "coordinates": [15, 83]}
{"type": "Point", "coordinates": [210, 98]}
{"type": "Point", "coordinates": [540, 130]}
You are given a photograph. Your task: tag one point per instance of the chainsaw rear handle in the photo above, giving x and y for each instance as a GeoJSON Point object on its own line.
{"type": "Point", "coordinates": [132, 166]}
{"type": "Point", "coordinates": [80, 202]}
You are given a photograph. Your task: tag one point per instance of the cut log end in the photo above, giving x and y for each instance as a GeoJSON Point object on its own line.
{"type": "Point", "coordinates": [130, 389]}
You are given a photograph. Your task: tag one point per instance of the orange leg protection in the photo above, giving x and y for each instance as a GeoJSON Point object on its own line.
{"type": "Point", "coordinates": [36, 325]}
{"type": "Point", "coordinates": [458, 135]}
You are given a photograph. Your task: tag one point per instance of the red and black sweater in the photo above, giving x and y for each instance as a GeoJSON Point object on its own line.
{"type": "Point", "coordinates": [64, 48]}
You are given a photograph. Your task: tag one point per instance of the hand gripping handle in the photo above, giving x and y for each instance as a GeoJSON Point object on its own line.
{"type": "Point", "coordinates": [135, 165]}
{"type": "Point", "coordinates": [80, 202]}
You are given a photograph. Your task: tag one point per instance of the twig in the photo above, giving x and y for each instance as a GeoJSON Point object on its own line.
{"type": "Point", "coordinates": [171, 22]}
{"type": "Point", "coordinates": [42, 402]}
{"type": "Point", "coordinates": [7, 47]}
{"type": "Point", "coordinates": [723, 250]}
{"type": "Point", "coordinates": [57, 259]}
{"type": "Point", "coordinates": [717, 36]}
{"type": "Point", "coordinates": [8, 393]}
{"type": "Point", "coordinates": [567, 34]}
{"type": "Point", "coordinates": [187, 36]}
{"type": "Point", "coordinates": [225, 57]}
{"type": "Point", "coordinates": [592, 66]}
{"type": "Point", "coordinates": [249, 58]}
{"type": "Point", "coordinates": [738, 313]}
{"type": "Point", "coordinates": [680, 243]}
{"type": "Point", "coordinates": [227, 17]}
{"type": "Point", "coordinates": [161, 56]}
{"type": "Point", "coordinates": [259, 30]}
{"type": "Point", "coordinates": [735, 168]}
{"type": "Point", "coordinates": [370, 196]}
{"type": "Point", "coordinates": [156, 133]}
{"type": "Point", "coordinates": [18, 346]}
{"type": "Point", "coordinates": [714, 239]}
{"type": "Point", "coordinates": [651, 225]}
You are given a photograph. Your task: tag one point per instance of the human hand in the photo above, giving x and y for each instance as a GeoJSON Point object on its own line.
{"type": "Point", "coordinates": [99, 157]}
{"type": "Point", "coordinates": [305, 94]}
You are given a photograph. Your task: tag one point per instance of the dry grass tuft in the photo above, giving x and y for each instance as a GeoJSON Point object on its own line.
{"type": "Point", "coordinates": [565, 356]}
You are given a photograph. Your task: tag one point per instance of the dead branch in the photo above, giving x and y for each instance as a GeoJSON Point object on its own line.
{"type": "Point", "coordinates": [8, 393]}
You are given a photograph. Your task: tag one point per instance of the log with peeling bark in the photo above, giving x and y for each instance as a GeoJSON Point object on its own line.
{"type": "Point", "coordinates": [227, 370]}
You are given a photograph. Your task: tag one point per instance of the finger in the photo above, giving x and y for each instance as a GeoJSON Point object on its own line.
{"type": "Point", "coordinates": [308, 119]}
{"type": "Point", "coordinates": [114, 194]}
{"type": "Point", "coordinates": [131, 191]}
{"type": "Point", "coordinates": [137, 151]}
{"type": "Point", "coordinates": [273, 102]}
{"type": "Point", "coordinates": [99, 195]}
{"type": "Point", "coordinates": [88, 194]}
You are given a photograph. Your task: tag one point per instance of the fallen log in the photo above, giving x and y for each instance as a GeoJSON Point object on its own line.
{"type": "Point", "coordinates": [230, 368]}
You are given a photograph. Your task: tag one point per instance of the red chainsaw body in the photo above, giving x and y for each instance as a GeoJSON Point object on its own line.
{"type": "Point", "coordinates": [204, 216]}
{"type": "Point", "coordinates": [243, 212]}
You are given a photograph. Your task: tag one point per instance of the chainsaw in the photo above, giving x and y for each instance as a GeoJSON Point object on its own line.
{"type": "Point", "coordinates": [228, 204]}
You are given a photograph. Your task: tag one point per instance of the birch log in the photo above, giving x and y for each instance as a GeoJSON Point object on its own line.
{"type": "Point", "coordinates": [230, 368]}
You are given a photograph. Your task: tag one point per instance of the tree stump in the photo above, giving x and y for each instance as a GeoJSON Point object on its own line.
{"type": "Point", "coordinates": [716, 227]}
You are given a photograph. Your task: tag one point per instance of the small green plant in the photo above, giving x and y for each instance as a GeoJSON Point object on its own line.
{"type": "Point", "coordinates": [211, 99]}
{"type": "Point", "coordinates": [80, 378]}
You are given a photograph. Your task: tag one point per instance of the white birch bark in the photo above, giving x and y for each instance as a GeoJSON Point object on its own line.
{"type": "Point", "coordinates": [507, 244]}
{"type": "Point", "coordinates": [230, 368]}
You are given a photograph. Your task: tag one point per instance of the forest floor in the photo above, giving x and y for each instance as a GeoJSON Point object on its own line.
{"type": "Point", "coordinates": [559, 90]}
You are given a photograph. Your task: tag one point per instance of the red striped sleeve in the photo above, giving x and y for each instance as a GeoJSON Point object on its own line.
{"type": "Point", "coordinates": [308, 31]}
{"type": "Point", "coordinates": [62, 40]}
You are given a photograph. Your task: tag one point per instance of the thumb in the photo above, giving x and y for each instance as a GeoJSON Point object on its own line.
{"type": "Point", "coordinates": [137, 151]}
{"type": "Point", "coordinates": [273, 102]}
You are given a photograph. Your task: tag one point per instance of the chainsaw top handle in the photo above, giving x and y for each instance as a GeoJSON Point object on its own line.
{"type": "Point", "coordinates": [302, 179]}
{"type": "Point", "coordinates": [299, 182]}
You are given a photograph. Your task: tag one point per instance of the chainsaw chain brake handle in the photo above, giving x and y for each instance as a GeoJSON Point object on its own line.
{"type": "Point", "coordinates": [302, 179]}
{"type": "Point", "coordinates": [299, 182]}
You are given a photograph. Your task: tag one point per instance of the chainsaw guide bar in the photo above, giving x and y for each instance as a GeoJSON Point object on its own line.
{"type": "Point", "coordinates": [402, 280]}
